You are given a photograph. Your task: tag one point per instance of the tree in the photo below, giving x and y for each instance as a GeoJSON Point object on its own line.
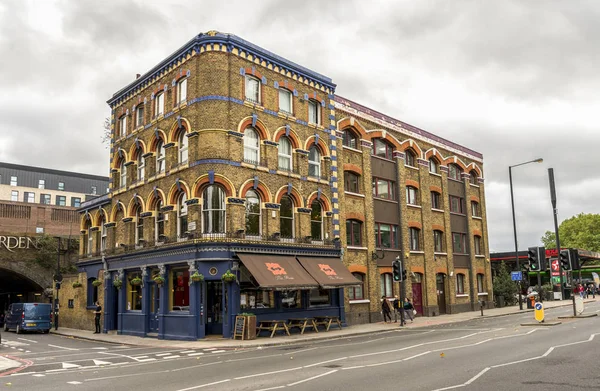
{"type": "Point", "coordinates": [504, 286]}
{"type": "Point", "coordinates": [106, 132]}
{"type": "Point", "coordinates": [580, 231]}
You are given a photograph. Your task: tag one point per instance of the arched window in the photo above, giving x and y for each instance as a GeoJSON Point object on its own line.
{"type": "Point", "coordinates": [123, 126]}
{"type": "Point", "coordinates": [251, 146]}
{"type": "Point", "coordinates": [213, 210]}
{"type": "Point", "coordinates": [252, 213]}
{"type": "Point", "coordinates": [141, 166]}
{"type": "Point", "coordinates": [356, 292]}
{"type": "Point", "coordinates": [460, 284]}
{"type": "Point", "coordinates": [410, 158]}
{"type": "Point", "coordinates": [159, 101]}
{"type": "Point", "coordinates": [159, 222]}
{"type": "Point", "coordinates": [103, 233]}
{"type": "Point", "coordinates": [252, 89]}
{"type": "Point", "coordinates": [434, 166]}
{"type": "Point", "coordinates": [183, 147]}
{"type": "Point", "coordinates": [123, 177]}
{"type": "Point", "coordinates": [182, 216]}
{"type": "Point", "coordinates": [353, 233]}
{"type": "Point", "coordinates": [286, 217]}
{"type": "Point", "coordinates": [383, 149]}
{"type": "Point", "coordinates": [386, 285]}
{"type": "Point", "coordinates": [314, 162]}
{"type": "Point", "coordinates": [88, 244]}
{"type": "Point", "coordinates": [349, 139]}
{"type": "Point", "coordinates": [160, 157]}
{"type": "Point", "coordinates": [316, 221]}
{"type": "Point", "coordinates": [454, 172]}
{"type": "Point", "coordinates": [139, 226]}
{"type": "Point", "coordinates": [473, 178]}
{"type": "Point", "coordinates": [284, 151]}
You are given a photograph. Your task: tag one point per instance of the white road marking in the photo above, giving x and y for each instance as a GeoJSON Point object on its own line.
{"type": "Point", "coordinates": [147, 360]}
{"type": "Point", "coordinates": [218, 351]}
{"type": "Point", "coordinates": [267, 373]}
{"type": "Point", "coordinates": [162, 354]}
{"type": "Point", "coordinates": [67, 365]}
{"type": "Point", "coordinates": [38, 375]}
{"type": "Point", "coordinates": [100, 362]}
{"type": "Point", "coordinates": [138, 357]}
{"type": "Point", "coordinates": [187, 351]}
{"type": "Point", "coordinates": [303, 350]}
{"type": "Point", "coordinates": [209, 349]}
{"type": "Point", "coordinates": [100, 348]}
{"type": "Point", "coordinates": [61, 347]}
{"type": "Point", "coordinates": [205, 385]}
{"type": "Point", "coordinates": [195, 354]}
{"type": "Point", "coordinates": [312, 378]}
{"type": "Point", "coordinates": [28, 340]}
{"type": "Point", "coordinates": [271, 388]}
{"type": "Point", "coordinates": [169, 357]}
{"type": "Point", "coordinates": [74, 382]}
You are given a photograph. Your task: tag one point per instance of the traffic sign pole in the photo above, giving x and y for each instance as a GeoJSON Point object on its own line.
{"type": "Point", "coordinates": [539, 312]}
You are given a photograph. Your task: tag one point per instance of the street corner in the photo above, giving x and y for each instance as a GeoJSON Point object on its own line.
{"type": "Point", "coordinates": [10, 364]}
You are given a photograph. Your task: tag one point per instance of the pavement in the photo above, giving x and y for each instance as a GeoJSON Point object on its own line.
{"type": "Point", "coordinates": [333, 333]}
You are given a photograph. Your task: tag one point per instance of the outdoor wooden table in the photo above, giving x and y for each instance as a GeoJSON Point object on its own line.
{"type": "Point", "coordinates": [272, 326]}
{"type": "Point", "coordinates": [327, 321]}
{"type": "Point", "coordinates": [302, 324]}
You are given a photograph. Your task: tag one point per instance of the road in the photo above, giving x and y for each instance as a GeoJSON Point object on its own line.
{"type": "Point", "coordinates": [492, 353]}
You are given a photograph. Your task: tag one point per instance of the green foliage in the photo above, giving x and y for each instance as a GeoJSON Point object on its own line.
{"type": "Point", "coordinates": [47, 253]}
{"type": "Point", "coordinates": [228, 276]}
{"type": "Point", "coordinates": [581, 231]}
{"type": "Point", "coordinates": [504, 286]}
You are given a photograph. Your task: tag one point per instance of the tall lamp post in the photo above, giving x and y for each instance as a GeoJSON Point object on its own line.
{"type": "Point", "coordinates": [512, 201]}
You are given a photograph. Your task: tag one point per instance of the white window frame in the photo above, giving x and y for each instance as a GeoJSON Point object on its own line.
{"type": "Point", "coordinates": [139, 115]}
{"type": "Point", "coordinates": [123, 126]}
{"type": "Point", "coordinates": [251, 146]}
{"type": "Point", "coordinates": [183, 147]}
{"type": "Point", "coordinates": [182, 91]}
{"type": "Point", "coordinates": [475, 209]}
{"type": "Point", "coordinates": [316, 163]}
{"type": "Point", "coordinates": [122, 175]}
{"type": "Point", "coordinates": [254, 234]}
{"type": "Point", "coordinates": [160, 157]}
{"type": "Point", "coordinates": [182, 213]}
{"type": "Point", "coordinates": [141, 166]}
{"type": "Point", "coordinates": [94, 190]}
{"type": "Point", "coordinates": [385, 281]}
{"type": "Point", "coordinates": [90, 241]}
{"type": "Point", "coordinates": [434, 167]}
{"type": "Point", "coordinates": [30, 197]}
{"type": "Point", "coordinates": [159, 217]}
{"type": "Point", "coordinates": [42, 184]}
{"type": "Point", "coordinates": [14, 181]}
{"type": "Point", "coordinates": [315, 116]}
{"type": "Point", "coordinates": [411, 195]}
{"type": "Point", "coordinates": [159, 104]}
{"type": "Point", "coordinates": [61, 186]}
{"type": "Point", "coordinates": [250, 94]}
{"type": "Point", "coordinates": [139, 226]}
{"type": "Point", "coordinates": [283, 156]}
{"type": "Point", "coordinates": [103, 236]}
{"type": "Point", "coordinates": [14, 195]}
{"type": "Point", "coordinates": [285, 101]}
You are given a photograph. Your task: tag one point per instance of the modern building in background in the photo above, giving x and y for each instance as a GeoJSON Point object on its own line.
{"type": "Point", "coordinates": [227, 159]}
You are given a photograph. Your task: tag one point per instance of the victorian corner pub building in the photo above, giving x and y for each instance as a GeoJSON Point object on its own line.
{"type": "Point", "coordinates": [241, 183]}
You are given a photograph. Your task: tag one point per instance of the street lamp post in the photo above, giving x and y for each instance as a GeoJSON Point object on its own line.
{"type": "Point", "coordinates": [512, 201]}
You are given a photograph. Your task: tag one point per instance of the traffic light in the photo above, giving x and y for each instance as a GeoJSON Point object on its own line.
{"type": "Point", "coordinates": [532, 258]}
{"type": "Point", "coordinates": [565, 259]}
{"type": "Point", "coordinates": [403, 275]}
{"type": "Point", "coordinates": [397, 270]}
{"type": "Point", "coordinates": [574, 256]}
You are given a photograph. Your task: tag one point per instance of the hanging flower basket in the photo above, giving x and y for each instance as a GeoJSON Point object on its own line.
{"type": "Point", "coordinates": [77, 284]}
{"type": "Point", "coordinates": [228, 276]}
{"type": "Point", "coordinates": [136, 281]}
{"type": "Point", "coordinates": [97, 283]}
{"type": "Point", "coordinates": [117, 283]}
{"type": "Point", "coordinates": [197, 277]}
{"type": "Point", "coordinates": [159, 280]}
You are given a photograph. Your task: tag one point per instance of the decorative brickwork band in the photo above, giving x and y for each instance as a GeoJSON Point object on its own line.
{"type": "Point", "coordinates": [304, 210]}
{"type": "Point", "coordinates": [436, 189]}
{"type": "Point", "coordinates": [235, 200]}
{"type": "Point", "coordinates": [437, 227]}
{"type": "Point", "coordinates": [357, 269]}
{"type": "Point", "coordinates": [410, 182]}
{"type": "Point", "coordinates": [130, 219]}
{"type": "Point", "coordinates": [167, 208]}
{"type": "Point", "coordinates": [145, 214]}
{"type": "Point", "coordinates": [272, 206]}
{"type": "Point", "coordinates": [414, 224]}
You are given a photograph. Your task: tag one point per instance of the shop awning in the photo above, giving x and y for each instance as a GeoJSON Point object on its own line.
{"type": "Point", "coordinates": [277, 272]}
{"type": "Point", "coordinates": [329, 272]}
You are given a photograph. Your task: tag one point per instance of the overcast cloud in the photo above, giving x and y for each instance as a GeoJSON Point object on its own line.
{"type": "Point", "coordinates": [512, 79]}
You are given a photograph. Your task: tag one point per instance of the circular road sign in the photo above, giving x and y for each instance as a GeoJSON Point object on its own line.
{"type": "Point", "coordinates": [539, 312]}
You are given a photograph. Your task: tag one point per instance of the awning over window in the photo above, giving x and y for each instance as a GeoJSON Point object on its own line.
{"type": "Point", "coordinates": [329, 272]}
{"type": "Point", "coordinates": [277, 272]}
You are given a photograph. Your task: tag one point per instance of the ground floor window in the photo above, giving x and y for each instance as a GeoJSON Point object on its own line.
{"type": "Point", "coordinates": [180, 289]}
{"type": "Point", "coordinates": [386, 285]}
{"type": "Point", "coordinates": [356, 293]}
{"type": "Point", "coordinates": [320, 297]}
{"type": "Point", "coordinates": [254, 298]}
{"type": "Point", "coordinates": [134, 291]}
{"type": "Point", "coordinates": [291, 299]}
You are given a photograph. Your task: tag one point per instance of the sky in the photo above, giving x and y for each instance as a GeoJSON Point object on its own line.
{"type": "Point", "coordinates": [515, 80]}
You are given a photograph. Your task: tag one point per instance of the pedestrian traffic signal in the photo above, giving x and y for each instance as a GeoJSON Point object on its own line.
{"type": "Point", "coordinates": [397, 270]}
{"type": "Point", "coordinates": [565, 259]}
{"type": "Point", "coordinates": [403, 275]}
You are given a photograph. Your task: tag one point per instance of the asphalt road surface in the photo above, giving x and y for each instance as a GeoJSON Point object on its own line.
{"type": "Point", "coordinates": [487, 354]}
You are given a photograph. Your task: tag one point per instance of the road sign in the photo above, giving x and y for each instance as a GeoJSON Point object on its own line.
{"type": "Point", "coordinates": [539, 312]}
{"type": "Point", "coordinates": [555, 265]}
{"type": "Point", "coordinates": [516, 276]}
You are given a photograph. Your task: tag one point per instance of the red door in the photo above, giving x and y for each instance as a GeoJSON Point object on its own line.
{"type": "Point", "coordinates": [417, 294]}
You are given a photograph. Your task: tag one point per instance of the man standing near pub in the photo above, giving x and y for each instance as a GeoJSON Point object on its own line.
{"type": "Point", "coordinates": [97, 313]}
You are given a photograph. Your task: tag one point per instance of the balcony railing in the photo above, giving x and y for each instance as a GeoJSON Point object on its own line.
{"type": "Point", "coordinates": [262, 162]}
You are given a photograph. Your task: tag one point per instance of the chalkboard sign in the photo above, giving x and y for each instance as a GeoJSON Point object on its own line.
{"type": "Point", "coordinates": [240, 327]}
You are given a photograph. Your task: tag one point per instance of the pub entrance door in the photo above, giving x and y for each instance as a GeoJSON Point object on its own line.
{"type": "Point", "coordinates": [214, 307]}
{"type": "Point", "coordinates": [441, 292]}
{"type": "Point", "coordinates": [154, 304]}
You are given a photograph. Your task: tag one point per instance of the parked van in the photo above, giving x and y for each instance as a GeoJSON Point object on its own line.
{"type": "Point", "coordinates": [28, 317]}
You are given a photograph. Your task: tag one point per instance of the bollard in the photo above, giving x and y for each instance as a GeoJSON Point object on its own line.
{"type": "Point", "coordinates": [481, 305]}
{"type": "Point", "coordinates": [574, 307]}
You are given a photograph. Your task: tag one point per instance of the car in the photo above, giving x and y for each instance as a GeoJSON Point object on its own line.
{"type": "Point", "coordinates": [28, 317]}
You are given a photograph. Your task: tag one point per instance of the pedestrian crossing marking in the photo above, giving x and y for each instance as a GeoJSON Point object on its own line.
{"type": "Point", "coordinates": [100, 362]}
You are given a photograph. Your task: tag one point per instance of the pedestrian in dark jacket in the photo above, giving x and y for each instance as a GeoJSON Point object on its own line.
{"type": "Point", "coordinates": [396, 305]}
{"type": "Point", "coordinates": [408, 309]}
{"type": "Point", "coordinates": [385, 309]}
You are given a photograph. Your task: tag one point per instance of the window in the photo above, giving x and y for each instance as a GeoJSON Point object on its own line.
{"type": "Point", "coordinates": [92, 292]}
{"type": "Point", "coordinates": [356, 292]}
{"type": "Point", "coordinates": [75, 202]}
{"type": "Point", "coordinates": [475, 209]}
{"type": "Point", "coordinates": [61, 186]}
{"type": "Point", "coordinates": [349, 139]}
{"type": "Point", "coordinates": [139, 115]}
{"type": "Point", "coordinates": [94, 190]}
{"type": "Point", "coordinates": [473, 177]}
{"type": "Point", "coordinates": [434, 167]}
{"type": "Point", "coordinates": [159, 222]}
{"type": "Point", "coordinates": [90, 239]}
{"type": "Point", "coordinates": [410, 158]}
{"type": "Point", "coordinates": [353, 233]}
{"type": "Point", "coordinates": [454, 172]}
{"type": "Point", "coordinates": [438, 241]}
{"type": "Point", "coordinates": [477, 244]}
{"type": "Point", "coordinates": [13, 181]}
{"type": "Point", "coordinates": [251, 146]}
{"type": "Point", "coordinates": [286, 217]}
{"type": "Point", "coordinates": [252, 296]}
{"type": "Point", "coordinates": [314, 162]}
{"type": "Point", "coordinates": [45, 199]}
{"type": "Point", "coordinates": [314, 114]}
{"type": "Point", "coordinates": [103, 234]}
{"type": "Point", "coordinates": [384, 188]}
{"type": "Point", "coordinates": [382, 149]}
{"type": "Point", "coordinates": [159, 104]}
{"type": "Point", "coordinates": [252, 213]}
{"type": "Point", "coordinates": [386, 285]}
{"type": "Point", "coordinates": [252, 89]}
{"type": "Point", "coordinates": [456, 205]}
{"type": "Point", "coordinates": [180, 288]}
{"type": "Point", "coordinates": [386, 235]}
{"type": "Point", "coordinates": [411, 195]}
{"type": "Point", "coordinates": [29, 197]}
{"type": "Point", "coordinates": [160, 157]}
{"type": "Point", "coordinates": [459, 243]}
{"type": "Point", "coordinates": [436, 200]}
{"type": "Point", "coordinates": [213, 209]}
{"type": "Point", "coordinates": [14, 195]}
{"type": "Point", "coordinates": [414, 239]}
{"type": "Point", "coordinates": [480, 285]}
{"type": "Point", "coordinates": [182, 216]}
{"type": "Point", "coordinates": [182, 91]}
{"type": "Point", "coordinates": [141, 166]}
{"type": "Point", "coordinates": [123, 126]}
{"type": "Point", "coordinates": [291, 299]}
{"type": "Point", "coordinates": [134, 293]}
{"type": "Point", "coordinates": [61, 200]}
{"type": "Point", "coordinates": [316, 221]}
{"type": "Point", "coordinates": [351, 182]}
{"type": "Point", "coordinates": [42, 184]}
{"type": "Point", "coordinates": [284, 151]}
{"type": "Point", "coordinates": [183, 147]}
{"type": "Point", "coordinates": [123, 176]}
{"type": "Point", "coordinates": [139, 226]}
{"type": "Point", "coordinates": [460, 284]}
{"type": "Point", "coordinates": [285, 101]}
{"type": "Point", "coordinates": [319, 297]}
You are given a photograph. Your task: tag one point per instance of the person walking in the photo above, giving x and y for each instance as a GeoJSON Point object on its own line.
{"type": "Point", "coordinates": [408, 309]}
{"type": "Point", "coordinates": [396, 305]}
{"type": "Point", "coordinates": [97, 314]}
{"type": "Point", "coordinates": [385, 309]}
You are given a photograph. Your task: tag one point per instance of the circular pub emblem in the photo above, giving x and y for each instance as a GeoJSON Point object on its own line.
{"type": "Point", "coordinates": [212, 271]}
